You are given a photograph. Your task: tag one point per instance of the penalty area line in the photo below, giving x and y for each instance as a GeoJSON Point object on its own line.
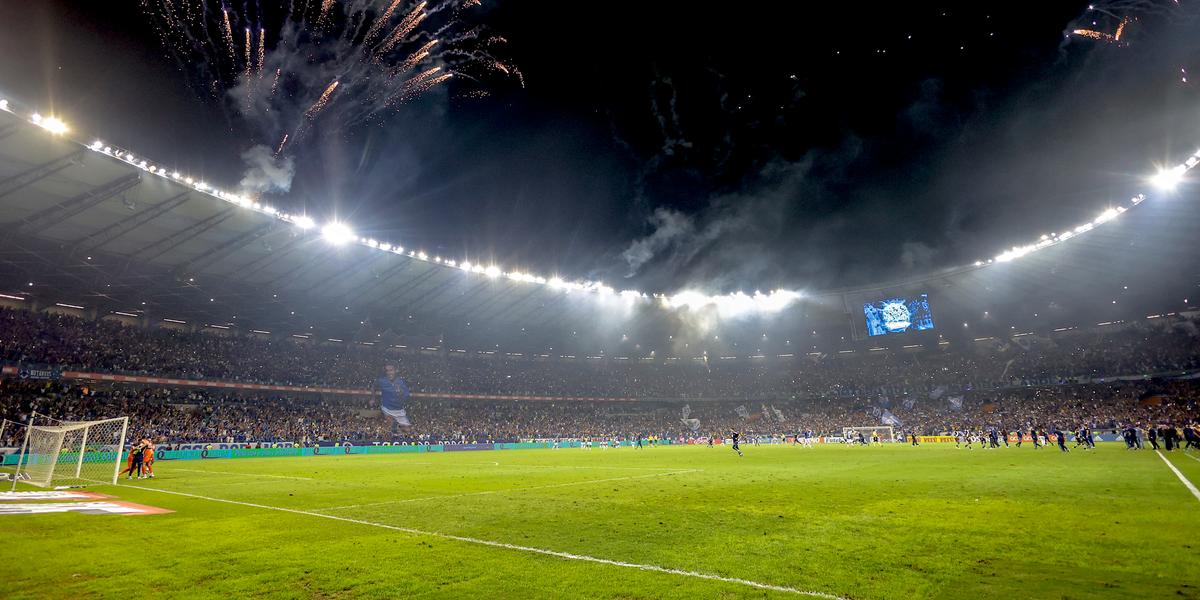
{"type": "Point", "coordinates": [527, 549]}
{"type": "Point", "coordinates": [1191, 488]}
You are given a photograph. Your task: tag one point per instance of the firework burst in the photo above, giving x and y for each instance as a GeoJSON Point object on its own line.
{"type": "Point", "coordinates": [341, 62]}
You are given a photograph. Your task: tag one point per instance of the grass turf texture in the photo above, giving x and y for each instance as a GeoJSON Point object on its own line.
{"type": "Point", "coordinates": [892, 522]}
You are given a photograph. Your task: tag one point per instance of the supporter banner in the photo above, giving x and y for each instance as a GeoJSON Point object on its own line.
{"type": "Point", "coordinates": [935, 438]}
{"type": "Point", "coordinates": [35, 371]}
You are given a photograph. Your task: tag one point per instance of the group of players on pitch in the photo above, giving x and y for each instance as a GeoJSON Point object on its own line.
{"type": "Point", "coordinates": [140, 462]}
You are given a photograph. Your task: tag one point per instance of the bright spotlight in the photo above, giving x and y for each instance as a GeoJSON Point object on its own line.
{"type": "Point", "coordinates": [337, 234]}
{"type": "Point", "coordinates": [492, 271]}
{"type": "Point", "coordinates": [52, 124]}
{"type": "Point", "coordinates": [1168, 179]}
{"type": "Point", "coordinates": [302, 221]}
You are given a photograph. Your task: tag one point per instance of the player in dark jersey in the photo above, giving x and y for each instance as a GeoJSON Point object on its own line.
{"type": "Point", "coordinates": [735, 435]}
{"type": "Point", "coordinates": [1062, 440]}
{"type": "Point", "coordinates": [135, 467]}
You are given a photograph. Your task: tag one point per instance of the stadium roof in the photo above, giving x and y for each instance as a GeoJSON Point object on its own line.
{"type": "Point", "coordinates": [99, 228]}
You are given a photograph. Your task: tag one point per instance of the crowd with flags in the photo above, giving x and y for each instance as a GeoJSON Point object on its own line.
{"type": "Point", "coordinates": [181, 415]}
{"type": "Point", "coordinates": [1164, 346]}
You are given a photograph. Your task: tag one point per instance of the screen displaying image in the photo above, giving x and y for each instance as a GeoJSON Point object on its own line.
{"type": "Point", "coordinates": [897, 315]}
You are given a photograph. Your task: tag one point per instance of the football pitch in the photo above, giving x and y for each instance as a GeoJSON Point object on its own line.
{"type": "Point", "coordinates": [666, 522]}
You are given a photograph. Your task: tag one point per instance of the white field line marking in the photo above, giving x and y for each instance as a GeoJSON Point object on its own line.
{"type": "Point", "coordinates": [1191, 488]}
{"type": "Point", "coordinates": [530, 549]}
{"type": "Point", "coordinates": [523, 489]}
{"type": "Point", "coordinates": [172, 468]}
{"type": "Point", "coordinates": [1185, 453]}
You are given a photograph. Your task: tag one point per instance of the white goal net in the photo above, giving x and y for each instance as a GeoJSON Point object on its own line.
{"type": "Point", "coordinates": [885, 433]}
{"type": "Point", "coordinates": [71, 453]}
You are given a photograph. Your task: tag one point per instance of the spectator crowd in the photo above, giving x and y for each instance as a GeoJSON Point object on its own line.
{"type": "Point", "coordinates": [1104, 379]}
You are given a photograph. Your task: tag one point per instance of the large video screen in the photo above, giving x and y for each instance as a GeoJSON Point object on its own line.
{"type": "Point", "coordinates": [898, 315]}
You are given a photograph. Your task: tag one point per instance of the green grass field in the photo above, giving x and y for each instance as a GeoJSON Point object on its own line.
{"type": "Point", "coordinates": [894, 522]}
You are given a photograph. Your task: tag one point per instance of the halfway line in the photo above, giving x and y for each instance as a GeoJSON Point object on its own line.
{"type": "Point", "coordinates": [542, 551]}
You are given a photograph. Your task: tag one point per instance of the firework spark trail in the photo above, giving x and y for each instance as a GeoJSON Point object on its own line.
{"type": "Point", "coordinates": [321, 102]}
{"type": "Point", "coordinates": [413, 60]}
{"type": "Point", "coordinates": [1095, 35]}
{"type": "Point", "coordinates": [1121, 29]}
{"type": "Point", "coordinates": [410, 22]}
{"type": "Point", "coordinates": [418, 85]}
{"type": "Point", "coordinates": [249, 46]}
{"type": "Point", "coordinates": [262, 51]}
{"type": "Point", "coordinates": [282, 143]}
{"type": "Point", "coordinates": [275, 83]}
{"type": "Point", "coordinates": [383, 19]}
{"type": "Point", "coordinates": [323, 16]}
{"type": "Point", "coordinates": [228, 34]}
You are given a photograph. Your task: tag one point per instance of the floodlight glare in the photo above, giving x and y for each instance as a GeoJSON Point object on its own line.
{"type": "Point", "coordinates": [337, 234]}
{"type": "Point", "coordinates": [1168, 179]}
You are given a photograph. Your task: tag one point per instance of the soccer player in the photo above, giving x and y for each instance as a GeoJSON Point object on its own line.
{"type": "Point", "coordinates": [639, 441]}
{"type": "Point", "coordinates": [1062, 439]}
{"type": "Point", "coordinates": [808, 435]}
{"type": "Point", "coordinates": [147, 459]}
{"type": "Point", "coordinates": [137, 457]}
{"type": "Point", "coordinates": [133, 449]}
{"type": "Point", "coordinates": [735, 435]}
{"type": "Point", "coordinates": [875, 439]}
{"type": "Point", "coordinates": [913, 436]}
{"type": "Point", "coordinates": [1033, 435]}
{"type": "Point", "coordinates": [393, 393]}
{"type": "Point", "coordinates": [1153, 436]}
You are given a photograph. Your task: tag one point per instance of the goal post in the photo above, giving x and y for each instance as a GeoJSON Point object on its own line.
{"type": "Point", "coordinates": [885, 432]}
{"type": "Point", "coordinates": [71, 453]}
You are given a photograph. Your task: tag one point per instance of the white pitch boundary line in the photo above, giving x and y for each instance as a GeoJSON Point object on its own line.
{"type": "Point", "coordinates": [238, 473]}
{"type": "Point", "coordinates": [529, 549]}
{"type": "Point", "coordinates": [1191, 488]}
{"type": "Point", "coordinates": [523, 489]}
{"type": "Point", "coordinates": [1185, 453]}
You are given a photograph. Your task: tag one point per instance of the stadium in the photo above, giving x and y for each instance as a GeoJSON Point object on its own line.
{"type": "Point", "coordinates": [434, 300]}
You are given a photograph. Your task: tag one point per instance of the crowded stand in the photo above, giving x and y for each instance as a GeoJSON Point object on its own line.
{"type": "Point", "coordinates": [192, 416]}
{"type": "Point", "coordinates": [1166, 345]}
{"type": "Point", "coordinates": [1137, 376]}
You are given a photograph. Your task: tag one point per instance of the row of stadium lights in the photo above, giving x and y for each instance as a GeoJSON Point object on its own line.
{"type": "Point", "coordinates": [340, 234]}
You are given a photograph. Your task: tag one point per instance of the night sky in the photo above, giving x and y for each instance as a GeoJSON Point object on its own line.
{"type": "Point", "coordinates": [666, 145]}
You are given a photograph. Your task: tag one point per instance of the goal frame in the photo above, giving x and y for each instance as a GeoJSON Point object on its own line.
{"type": "Point", "coordinates": [869, 429]}
{"type": "Point", "coordinates": [50, 461]}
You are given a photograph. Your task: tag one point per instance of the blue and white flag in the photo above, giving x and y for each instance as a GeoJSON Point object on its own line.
{"type": "Point", "coordinates": [887, 418]}
{"type": "Point", "coordinates": [956, 402]}
{"type": "Point", "coordinates": [742, 411]}
{"type": "Point", "coordinates": [393, 397]}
